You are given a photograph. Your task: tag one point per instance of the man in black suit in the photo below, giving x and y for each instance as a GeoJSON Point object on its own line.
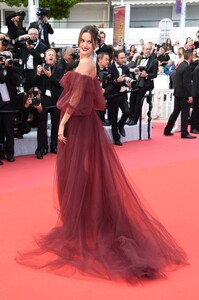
{"type": "Point", "coordinates": [43, 27]}
{"type": "Point", "coordinates": [104, 76]}
{"type": "Point", "coordinates": [117, 98]}
{"type": "Point", "coordinates": [47, 80]}
{"type": "Point", "coordinates": [32, 55]}
{"type": "Point", "coordinates": [183, 97]}
{"type": "Point", "coordinates": [103, 47]}
{"type": "Point", "coordinates": [145, 71]}
{"type": "Point", "coordinates": [194, 120]}
{"type": "Point", "coordinates": [9, 81]}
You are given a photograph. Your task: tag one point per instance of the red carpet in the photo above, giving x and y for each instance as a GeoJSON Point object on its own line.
{"type": "Point", "coordinates": [166, 171]}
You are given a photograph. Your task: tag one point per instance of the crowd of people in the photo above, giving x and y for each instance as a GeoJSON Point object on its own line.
{"type": "Point", "coordinates": [31, 70]}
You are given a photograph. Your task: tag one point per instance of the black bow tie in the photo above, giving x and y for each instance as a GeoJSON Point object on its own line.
{"type": "Point", "coordinates": [120, 67]}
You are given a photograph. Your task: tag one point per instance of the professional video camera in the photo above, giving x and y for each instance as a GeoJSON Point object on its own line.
{"type": "Point", "coordinates": [103, 75]}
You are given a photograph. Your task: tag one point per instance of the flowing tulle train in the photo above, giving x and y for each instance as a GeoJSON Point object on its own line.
{"type": "Point", "coordinates": [103, 227]}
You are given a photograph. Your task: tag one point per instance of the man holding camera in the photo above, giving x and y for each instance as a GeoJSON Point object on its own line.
{"type": "Point", "coordinates": [145, 71]}
{"type": "Point", "coordinates": [32, 55]}
{"type": "Point", "coordinates": [47, 80]}
{"type": "Point", "coordinates": [104, 76]}
{"type": "Point", "coordinates": [43, 26]}
{"type": "Point", "coordinates": [14, 22]}
{"type": "Point", "coordinates": [9, 81]}
{"type": "Point", "coordinates": [117, 98]}
{"type": "Point", "coordinates": [33, 115]}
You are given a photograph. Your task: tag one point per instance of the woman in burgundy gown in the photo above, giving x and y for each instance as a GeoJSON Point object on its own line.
{"type": "Point", "coordinates": [103, 228]}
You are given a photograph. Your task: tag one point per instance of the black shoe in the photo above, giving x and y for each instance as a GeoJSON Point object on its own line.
{"type": "Point", "coordinates": [18, 135]}
{"type": "Point", "coordinates": [39, 154]}
{"type": "Point", "coordinates": [122, 131]}
{"type": "Point", "coordinates": [168, 134]}
{"type": "Point", "coordinates": [195, 131]}
{"type": "Point", "coordinates": [10, 158]}
{"type": "Point", "coordinates": [53, 150]}
{"type": "Point", "coordinates": [131, 123]}
{"type": "Point", "coordinates": [45, 150]}
{"type": "Point", "coordinates": [1, 163]}
{"type": "Point", "coordinates": [187, 136]}
{"type": "Point", "coordinates": [118, 143]}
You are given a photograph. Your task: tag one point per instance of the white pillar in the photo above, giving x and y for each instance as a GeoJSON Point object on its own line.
{"type": "Point", "coordinates": [33, 6]}
{"type": "Point", "coordinates": [182, 23]}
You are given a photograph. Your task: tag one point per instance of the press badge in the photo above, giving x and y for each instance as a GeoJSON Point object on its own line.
{"type": "Point", "coordinates": [48, 93]}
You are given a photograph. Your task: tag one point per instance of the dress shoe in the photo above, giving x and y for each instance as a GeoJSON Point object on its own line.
{"type": "Point", "coordinates": [39, 154]}
{"type": "Point", "coordinates": [122, 131]}
{"type": "Point", "coordinates": [131, 123]}
{"type": "Point", "coordinates": [10, 158]}
{"type": "Point", "coordinates": [45, 150]}
{"type": "Point", "coordinates": [195, 131]}
{"type": "Point", "coordinates": [168, 134]}
{"type": "Point", "coordinates": [53, 150]}
{"type": "Point", "coordinates": [187, 136]}
{"type": "Point", "coordinates": [118, 143]}
{"type": "Point", "coordinates": [1, 163]}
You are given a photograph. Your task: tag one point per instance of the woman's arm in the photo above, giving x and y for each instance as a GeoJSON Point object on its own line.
{"type": "Point", "coordinates": [64, 120]}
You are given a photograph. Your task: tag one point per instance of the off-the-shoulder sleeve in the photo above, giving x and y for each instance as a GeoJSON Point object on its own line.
{"type": "Point", "coordinates": [81, 94]}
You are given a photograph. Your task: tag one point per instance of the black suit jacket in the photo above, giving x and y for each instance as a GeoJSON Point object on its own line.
{"type": "Point", "coordinates": [183, 86]}
{"type": "Point", "coordinates": [152, 71]}
{"type": "Point", "coordinates": [37, 53]}
{"type": "Point", "coordinates": [104, 49]}
{"type": "Point", "coordinates": [196, 82]}
{"type": "Point", "coordinates": [115, 92]}
{"type": "Point", "coordinates": [12, 80]}
{"type": "Point", "coordinates": [47, 30]}
{"type": "Point", "coordinates": [50, 83]}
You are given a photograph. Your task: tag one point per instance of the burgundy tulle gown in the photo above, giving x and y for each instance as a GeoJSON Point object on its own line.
{"type": "Point", "coordinates": [103, 228]}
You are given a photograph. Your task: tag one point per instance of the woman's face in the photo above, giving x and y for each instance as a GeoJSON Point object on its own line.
{"type": "Point", "coordinates": [86, 46]}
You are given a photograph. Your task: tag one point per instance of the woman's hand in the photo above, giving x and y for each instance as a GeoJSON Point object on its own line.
{"type": "Point", "coordinates": [61, 136]}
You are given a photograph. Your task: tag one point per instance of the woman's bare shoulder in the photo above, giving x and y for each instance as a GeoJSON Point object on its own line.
{"type": "Point", "coordinates": [87, 67]}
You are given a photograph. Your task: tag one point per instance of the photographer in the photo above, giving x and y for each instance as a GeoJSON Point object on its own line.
{"type": "Point", "coordinates": [104, 76]}
{"type": "Point", "coordinates": [9, 81]}
{"type": "Point", "coordinates": [145, 71]}
{"type": "Point", "coordinates": [68, 61]}
{"type": "Point", "coordinates": [14, 22]}
{"type": "Point", "coordinates": [47, 80]}
{"type": "Point", "coordinates": [33, 115]}
{"type": "Point", "coordinates": [43, 27]}
{"type": "Point", "coordinates": [118, 96]}
{"type": "Point", "coordinates": [32, 55]}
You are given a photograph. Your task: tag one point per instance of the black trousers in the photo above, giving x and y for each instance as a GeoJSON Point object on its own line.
{"type": "Point", "coordinates": [7, 121]}
{"type": "Point", "coordinates": [136, 101]}
{"type": "Point", "coordinates": [180, 105]}
{"type": "Point", "coordinates": [54, 115]}
{"type": "Point", "coordinates": [194, 120]}
{"type": "Point", "coordinates": [113, 107]}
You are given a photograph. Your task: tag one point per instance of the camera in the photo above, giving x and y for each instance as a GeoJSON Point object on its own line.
{"type": "Point", "coordinates": [21, 14]}
{"type": "Point", "coordinates": [31, 42]}
{"type": "Point", "coordinates": [42, 12]}
{"type": "Point", "coordinates": [142, 68]}
{"type": "Point", "coordinates": [75, 55]}
{"type": "Point", "coordinates": [46, 66]}
{"type": "Point", "coordinates": [5, 42]}
{"type": "Point", "coordinates": [36, 101]}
